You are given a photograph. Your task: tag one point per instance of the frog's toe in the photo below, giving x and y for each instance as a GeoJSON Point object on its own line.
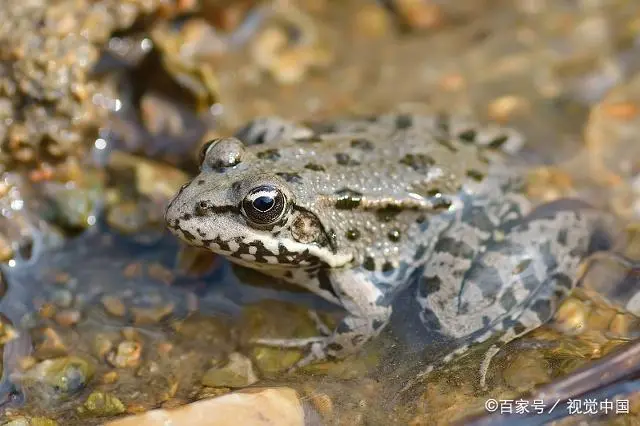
{"type": "Point", "coordinates": [322, 328]}
{"type": "Point", "coordinates": [314, 352]}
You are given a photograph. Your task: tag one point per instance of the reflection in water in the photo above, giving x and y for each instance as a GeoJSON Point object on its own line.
{"type": "Point", "coordinates": [100, 263]}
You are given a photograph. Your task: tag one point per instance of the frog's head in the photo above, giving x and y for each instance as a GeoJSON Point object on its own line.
{"type": "Point", "coordinates": [236, 208]}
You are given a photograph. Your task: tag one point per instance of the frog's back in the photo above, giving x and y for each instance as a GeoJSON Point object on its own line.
{"type": "Point", "coordinates": [380, 184]}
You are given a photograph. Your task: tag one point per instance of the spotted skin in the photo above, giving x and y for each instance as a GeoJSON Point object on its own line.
{"type": "Point", "coordinates": [357, 210]}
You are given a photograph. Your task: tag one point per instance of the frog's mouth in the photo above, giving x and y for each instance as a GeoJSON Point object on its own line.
{"type": "Point", "coordinates": [225, 236]}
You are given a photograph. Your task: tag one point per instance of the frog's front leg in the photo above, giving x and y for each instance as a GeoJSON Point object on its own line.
{"type": "Point", "coordinates": [367, 314]}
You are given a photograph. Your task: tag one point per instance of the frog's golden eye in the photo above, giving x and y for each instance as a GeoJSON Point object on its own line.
{"type": "Point", "coordinates": [221, 153]}
{"type": "Point", "coordinates": [264, 205]}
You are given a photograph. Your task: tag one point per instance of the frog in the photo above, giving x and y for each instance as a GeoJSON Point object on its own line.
{"type": "Point", "coordinates": [359, 209]}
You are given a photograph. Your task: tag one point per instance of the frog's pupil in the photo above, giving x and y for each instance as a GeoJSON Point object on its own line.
{"type": "Point", "coordinates": [263, 203]}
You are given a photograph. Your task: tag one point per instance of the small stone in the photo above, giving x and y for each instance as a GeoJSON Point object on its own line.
{"type": "Point", "coordinates": [130, 333]}
{"type": "Point", "coordinates": [165, 347]}
{"type": "Point", "coordinates": [68, 317]}
{"type": "Point", "coordinates": [420, 14]}
{"type": "Point", "coordinates": [102, 344]}
{"type": "Point", "coordinates": [160, 273]}
{"type": "Point", "coordinates": [322, 403]}
{"type": "Point", "coordinates": [503, 108]}
{"type": "Point", "coordinates": [571, 317]}
{"type": "Point", "coordinates": [145, 316]}
{"type": "Point", "coordinates": [113, 306]}
{"type": "Point", "coordinates": [110, 377]}
{"type": "Point", "coordinates": [237, 373]}
{"type": "Point", "coordinates": [372, 21]}
{"type": "Point", "coordinates": [61, 377]}
{"type": "Point", "coordinates": [133, 270]}
{"type": "Point", "coordinates": [47, 310]}
{"type": "Point", "coordinates": [63, 298]}
{"type": "Point", "coordinates": [101, 404]}
{"type": "Point", "coordinates": [7, 333]}
{"type": "Point", "coordinates": [51, 345]}
{"type": "Point", "coordinates": [128, 354]}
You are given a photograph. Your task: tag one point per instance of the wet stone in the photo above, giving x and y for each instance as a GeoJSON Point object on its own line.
{"type": "Point", "coordinates": [59, 377]}
{"type": "Point", "coordinates": [7, 333]}
{"type": "Point", "coordinates": [50, 344]}
{"type": "Point", "coordinates": [571, 317]}
{"type": "Point", "coordinates": [113, 306]}
{"type": "Point", "coordinates": [126, 355]}
{"type": "Point", "coordinates": [101, 404]}
{"type": "Point", "coordinates": [142, 316]}
{"type": "Point", "coordinates": [102, 344]}
{"type": "Point", "coordinates": [68, 317]}
{"type": "Point", "coordinates": [237, 373]}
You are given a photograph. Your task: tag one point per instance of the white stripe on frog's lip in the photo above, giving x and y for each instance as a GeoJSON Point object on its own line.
{"type": "Point", "coordinates": [272, 247]}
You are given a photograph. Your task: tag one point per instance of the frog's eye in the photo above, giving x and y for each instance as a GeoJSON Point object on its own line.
{"type": "Point", "coordinates": [220, 153]}
{"type": "Point", "coordinates": [264, 205]}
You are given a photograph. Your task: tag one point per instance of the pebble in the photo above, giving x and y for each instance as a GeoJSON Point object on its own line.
{"type": "Point", "coordinates": [101, 404]}
{"type": "Point", "coordinates": [161, 273]}
{"type": "Point", "coordinates": [127, 354]}
{"type": "Point", "coordinates": [113, 306]}
{"type": "Point", "coordinates": [51, 345]}
{"type": "Point", "coordinates": [372, 21]}
{"type": "Point", "coordinates": [102, 344]}
{"type": "Point", "coordinates": [110, 377]}
{"type": "Point", "coordinates": [61, 377]}
{"type": "Point", "coordinates": [571, 317]}
{"type": "Point", "coordinates": [237, 373]}
{"type": "Point", "coordinates": [145, 316]}
{"type": "Point", "coordinates": [68, 317]}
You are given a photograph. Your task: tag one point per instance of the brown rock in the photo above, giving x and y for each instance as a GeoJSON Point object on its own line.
{"type": "Point", "coordinates": [113, 305]}
{"type": "Point", "coordinates": [68, 317]}
{"type": "Point", "coordinates": [152, 315]}
{"type": "Point", "coordinates": [126, 355]}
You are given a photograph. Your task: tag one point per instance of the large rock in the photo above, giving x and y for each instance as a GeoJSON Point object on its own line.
{"type": "Point", "coordinates": [256, 406]}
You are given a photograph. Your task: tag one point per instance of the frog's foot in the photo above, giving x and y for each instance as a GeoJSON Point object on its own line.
{"type": "Point", "coordinates": [347, 339]}
{"type": "Point", "coordinates": [313, 346]}
{"type": "Point", "coordinates": [494, 349]}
